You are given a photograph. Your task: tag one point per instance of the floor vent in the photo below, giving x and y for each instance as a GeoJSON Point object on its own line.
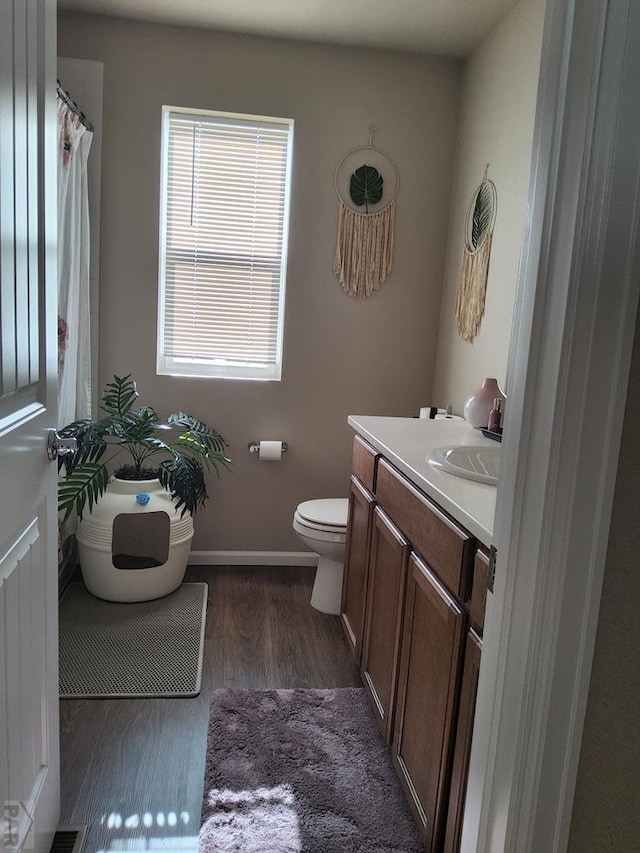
{"type": "Point", "coordinates": [68, 839]}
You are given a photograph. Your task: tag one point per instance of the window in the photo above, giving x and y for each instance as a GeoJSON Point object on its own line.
{"type": "Point", "coordinates": [224, 211]}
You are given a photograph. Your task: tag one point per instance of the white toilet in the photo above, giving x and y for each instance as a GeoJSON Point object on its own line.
{"type": "Point", "coordinates": [322, 526]}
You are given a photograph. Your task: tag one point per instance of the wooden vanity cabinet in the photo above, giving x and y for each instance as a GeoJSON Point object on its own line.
{"type": "Point", "coordinates": [414, 594]}
{"type": "Point", "coordinates": [427, 701]}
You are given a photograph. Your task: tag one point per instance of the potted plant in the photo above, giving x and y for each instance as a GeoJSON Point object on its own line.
{"type": "Point", "coordinates": [158, 470]}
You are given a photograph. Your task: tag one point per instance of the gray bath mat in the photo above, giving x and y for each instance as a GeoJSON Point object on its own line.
{"type": "Point", "coordinates": [144, 649]}
{"type": "Point", "coordinates": [292, 770]}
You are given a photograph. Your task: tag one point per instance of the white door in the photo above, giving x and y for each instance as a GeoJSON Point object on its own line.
{"type": "Point", "coordinates": [29, 737]}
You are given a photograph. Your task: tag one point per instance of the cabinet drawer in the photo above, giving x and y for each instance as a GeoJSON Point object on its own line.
{"type": "Point", "coordinates": [447, 547]}
{"type": "Point", "coordinates": [364, 462]}
{"type": "Point", "coordinates": [479, 590]}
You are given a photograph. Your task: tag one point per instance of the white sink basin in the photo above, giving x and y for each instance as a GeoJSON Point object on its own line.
{"type": "Point", "coordinates": [479, 462]}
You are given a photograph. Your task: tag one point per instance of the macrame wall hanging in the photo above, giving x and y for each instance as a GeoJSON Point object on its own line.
{"type": "Point", "coordinates": [366, 182]}
{"type": "Point", "coordinates": [472, 289]}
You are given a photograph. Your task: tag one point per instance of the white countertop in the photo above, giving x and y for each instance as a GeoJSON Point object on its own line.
{"type": "Point", "coordinates": [407, 443]}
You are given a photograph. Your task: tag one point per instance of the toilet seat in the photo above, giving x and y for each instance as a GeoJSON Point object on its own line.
{"type": "Point", "coordinates": [317, 533]}
{"type": "Point", "coordinates": [321, 525]}
{"type": "Point", "coordinates": [322, 520]}
{"type": "Point", "coordinates": [328, 514]}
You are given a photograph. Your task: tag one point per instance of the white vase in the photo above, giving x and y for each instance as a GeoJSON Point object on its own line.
{"type": "Point", "coordinates": [134, 545]}
{"type": "Point", "coordinates": [480, 403]}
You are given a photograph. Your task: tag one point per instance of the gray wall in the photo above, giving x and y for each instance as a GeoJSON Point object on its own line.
{"type": "Point", "coordinates": [341, 357]}
{"type": "Point", "coordinates": [606, 813]}
{"type": "Point", "coordinates": [497, 111]}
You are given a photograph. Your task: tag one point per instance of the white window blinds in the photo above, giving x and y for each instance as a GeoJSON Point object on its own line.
{"type": "Point", "coordinates": [223, 242]}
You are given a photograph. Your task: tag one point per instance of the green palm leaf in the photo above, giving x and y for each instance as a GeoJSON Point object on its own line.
{"type": "Point", "coordinates": [90, 441]}
{"type": "Point", "coordinates": [159, 446]}
{"type": "Point", "coordinates": [184, 479]}
{"type": "Point", "coordinates": [84, 484]}
{"type": "Point", "coordinates": [205, 434]}
{"type": "Point", "coordinates": [139, 424]}
{"type": "Point", "coordinates": [189, 445]}
{"type": "Point", "coordinates": [119, 396]}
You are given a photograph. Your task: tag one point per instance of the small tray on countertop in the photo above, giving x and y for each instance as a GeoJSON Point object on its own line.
{"type": "Point", "coordinates": [494, 436]}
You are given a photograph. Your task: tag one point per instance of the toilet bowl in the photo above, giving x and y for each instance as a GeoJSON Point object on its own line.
{"type": "Point", "coordinates": [322, 526]}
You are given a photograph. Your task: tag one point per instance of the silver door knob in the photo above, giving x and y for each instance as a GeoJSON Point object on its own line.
{"type": "Point", "coordinates": [57, 446]}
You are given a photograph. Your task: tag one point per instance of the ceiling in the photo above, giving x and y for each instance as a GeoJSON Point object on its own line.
{"type": "Point", "coordinates": [450, 27]}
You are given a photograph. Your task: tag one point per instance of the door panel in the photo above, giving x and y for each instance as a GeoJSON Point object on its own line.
{"type": "Point", "coordinates": [29, 760]}
{"type": "Point", "coordinates": [385, 594]}
{"type": "Point", "coordinates": [464, 732]}
{"type": "Point", "coordinates": [427, 692]}
{"type": "Point", "coordinates": [354, 585]}
{"type": "Point", "coordinates": [22, 612]}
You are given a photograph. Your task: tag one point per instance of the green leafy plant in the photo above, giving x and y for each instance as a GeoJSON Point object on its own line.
{"type": "Point", "coordinates": [366, 186]}
{"type": "Point", "coordinates": [177, 451]}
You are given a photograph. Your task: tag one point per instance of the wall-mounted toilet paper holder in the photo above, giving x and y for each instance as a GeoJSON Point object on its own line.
{"type": "Point", "coordinates": [254, 447]}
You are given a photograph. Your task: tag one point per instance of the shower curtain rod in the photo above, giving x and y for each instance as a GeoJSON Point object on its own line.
{"type": "Point", "coordinates": [68, 100]}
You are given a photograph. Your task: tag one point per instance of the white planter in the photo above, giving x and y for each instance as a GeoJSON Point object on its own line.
{"type": "Point", "coordinates": [131, 550]}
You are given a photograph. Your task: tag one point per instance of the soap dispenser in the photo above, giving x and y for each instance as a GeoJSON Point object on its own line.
{"type": "Point", "coordinates": [495, 416]}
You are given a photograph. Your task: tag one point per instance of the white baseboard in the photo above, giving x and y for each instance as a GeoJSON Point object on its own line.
{"type": "Point", "coordinates": [253, 558]}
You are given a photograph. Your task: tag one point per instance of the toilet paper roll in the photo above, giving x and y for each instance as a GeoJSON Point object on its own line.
{"type": "Point", "coordinates": [270, 451]}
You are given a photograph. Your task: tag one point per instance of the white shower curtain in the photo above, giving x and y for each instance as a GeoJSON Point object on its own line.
{"type": "Point", "coordinates": [74, 321]}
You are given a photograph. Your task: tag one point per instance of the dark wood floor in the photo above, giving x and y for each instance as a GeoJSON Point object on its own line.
{"type": "Point", "coordinates": [133, 769]}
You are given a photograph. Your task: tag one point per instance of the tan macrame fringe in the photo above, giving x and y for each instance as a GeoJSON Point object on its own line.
{"type": "Point", "coordinates": [364, 249]}
{"type": "Point", "coordinates": [472, 289]}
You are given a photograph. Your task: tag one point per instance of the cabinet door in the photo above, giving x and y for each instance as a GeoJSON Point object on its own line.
{"type": "Point", "coordinates": [464, 730]}
{"type": "Point", "coordinates": [422, 749]}
{"type": "Point", "coordinates": [354, 581]}
{"type": "Point", "coordinates": [383, 624]}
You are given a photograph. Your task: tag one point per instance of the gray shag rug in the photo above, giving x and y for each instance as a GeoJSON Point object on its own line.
{"type": "Point", "coordinates": [300, 771]}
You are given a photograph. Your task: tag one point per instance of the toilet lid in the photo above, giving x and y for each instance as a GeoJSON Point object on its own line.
{"type": "Point", "coordinates": [330, 512]}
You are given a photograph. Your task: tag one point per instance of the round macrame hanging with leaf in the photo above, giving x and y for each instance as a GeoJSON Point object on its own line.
{"type": "Point", "coordinates": [366, 182]}
{"type": "Point", "coordinates": [472, 289]}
